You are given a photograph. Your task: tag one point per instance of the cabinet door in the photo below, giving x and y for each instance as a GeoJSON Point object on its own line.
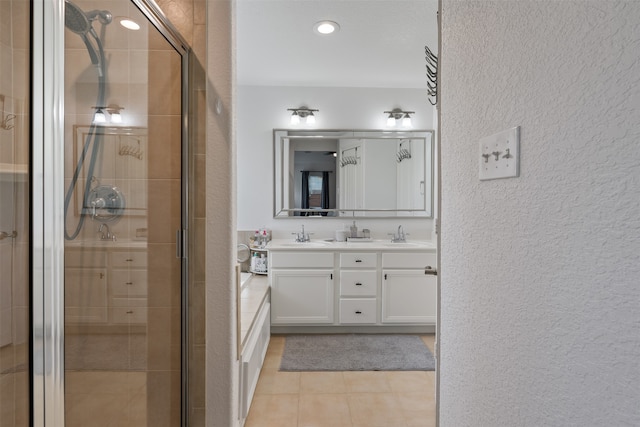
{"type": "Point", "coordinates": [408, 296]}
{"type": "Point", "coordinates": [85, 295]}
{"type": "Point", "coordinates": [301, 296]}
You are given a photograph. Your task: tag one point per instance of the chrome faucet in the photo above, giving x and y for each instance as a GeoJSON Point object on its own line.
{"type": "Point", "coordinates": [400, 237]}
{"type": "Point", "coordinates": [108, 235]}
{"type": "Point", "coordinates": [302, 236]}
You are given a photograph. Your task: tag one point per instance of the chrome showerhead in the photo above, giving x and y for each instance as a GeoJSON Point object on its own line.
{"type": "Point", "coordinates": [75, 19]}
{"type": "Point", "coordinates": [79, 21]}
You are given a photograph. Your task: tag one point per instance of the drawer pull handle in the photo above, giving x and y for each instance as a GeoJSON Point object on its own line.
{"type": "Point", "coordinates": [358, 260]}
{"type": "Point", "coordinates": [101, 275]}
{"type": "Point", "coordinates": [129, 260]}
{"type": "Point", "coordinates": [430, 271]}
{"type": "Point", "coordinates": [358, 312]}
{"type": "Point", "coordinates": [358, 284]}
{"type": "Point", "coordinates": [129, 312]}
{"type": "Point", "coordinates": [128, 283]}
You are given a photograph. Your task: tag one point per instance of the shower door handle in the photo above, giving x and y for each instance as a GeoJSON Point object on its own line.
{"type": "Point", "coordinates": [178, 243]}
{"type": "Point", "coordinates": [181, 243]}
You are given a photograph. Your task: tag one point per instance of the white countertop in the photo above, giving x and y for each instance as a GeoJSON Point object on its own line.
{"type": "Point", "coordinates": [253, 293]}
{"type": "Point", "coordinates": [373, 245]}
{"type": "Point", "coordinates": [107, 244]}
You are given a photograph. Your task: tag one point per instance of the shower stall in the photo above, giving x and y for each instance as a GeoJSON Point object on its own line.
{"type": "Point", "coordinates": [93, 215]}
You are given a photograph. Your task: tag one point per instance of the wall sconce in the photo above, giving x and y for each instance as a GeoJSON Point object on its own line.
{"type": "Point", "coordinates": [302, 113]}
{"type": "Point", "coordinates": [399, 114]}
{"type": "Point", "coordinates": [114, 111]}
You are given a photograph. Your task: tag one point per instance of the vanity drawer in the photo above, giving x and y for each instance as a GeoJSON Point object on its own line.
{"type": "Point", "coordinates": [408, 260]}
{"type": "Point", "coordinates": [352, 259]}
{"type": "Point", "coordinates": [127, 315]}
{"type": "Point", "coordinates": [302, 259]}
{"type": "Point", "coordinates": [358, 310]}
{"type": "Point", "coordinates": [129, 259]}
{"type": "Point", "coordinates": [128, 282]}
{"type": "Point", "coordinates": [358, 283]}
{"type": "Point", "coordinates": [85, 258]}
{"type": "Point", "coordinates": [128, 310]}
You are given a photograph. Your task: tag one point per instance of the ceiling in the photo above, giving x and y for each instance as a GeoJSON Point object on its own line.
{"type": "Point", "coordinates": [380, 43]}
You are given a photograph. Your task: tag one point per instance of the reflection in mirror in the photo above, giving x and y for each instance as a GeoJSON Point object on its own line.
{"type": "Point", "coordinates": [346, 173]}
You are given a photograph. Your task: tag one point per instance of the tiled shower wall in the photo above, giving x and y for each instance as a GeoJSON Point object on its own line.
{"type": "Point", "coordinates": [189, 17]}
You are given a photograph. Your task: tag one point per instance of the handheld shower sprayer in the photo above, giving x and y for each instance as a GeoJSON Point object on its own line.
{"type": "Point", "coordinates": [80, 22]}
{"type": "Point", "coordinates": [100, 203]}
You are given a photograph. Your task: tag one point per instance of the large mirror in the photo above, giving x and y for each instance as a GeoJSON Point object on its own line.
{"type": "Point", "coordinates": [353, 173]}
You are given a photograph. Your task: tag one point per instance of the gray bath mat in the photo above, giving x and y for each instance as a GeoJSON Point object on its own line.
{"type": "Point", "coordinates": [356, 352]}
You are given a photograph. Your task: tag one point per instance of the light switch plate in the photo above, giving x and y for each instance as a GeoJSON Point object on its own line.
{"type": "Point", "coordinates": [499, 155]}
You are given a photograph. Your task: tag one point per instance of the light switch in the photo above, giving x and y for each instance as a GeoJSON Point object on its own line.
{"type": "Point", "coordinates": [499, 155]}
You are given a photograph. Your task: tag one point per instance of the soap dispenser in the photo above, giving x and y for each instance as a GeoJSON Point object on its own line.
{"type": "Point", "coordinates": [354, 230]}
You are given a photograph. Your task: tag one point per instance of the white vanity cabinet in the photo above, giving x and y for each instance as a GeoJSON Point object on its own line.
{"type": "Point", "coordinates": [352, 287]}
{"type": "Point", "coordinates": [358, 287]}
{"type": "Point", "coordinates": [128, 287]}
{"type": "Point", "coordinates": [302, 288]}
{"type": "Point", "coordinates": [409, 288]}
{"type": "Point", "coordinates": [105, 285]}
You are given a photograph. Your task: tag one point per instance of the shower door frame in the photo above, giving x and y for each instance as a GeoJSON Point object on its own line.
{"type": "Point", "coordinates": [47, 201]}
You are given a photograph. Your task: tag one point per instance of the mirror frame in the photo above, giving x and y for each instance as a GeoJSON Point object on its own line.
{"type": "Point", "coordinates": [282, 211]}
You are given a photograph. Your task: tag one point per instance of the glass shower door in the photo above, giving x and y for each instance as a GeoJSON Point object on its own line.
{"type": "Point", "coordinates": [123, 205]}
{"type": "Point", "coordinates": [15, 365]}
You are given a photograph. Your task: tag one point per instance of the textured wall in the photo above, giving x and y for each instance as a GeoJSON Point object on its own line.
{"type": "Point", "coordinates": [220, 229]}
{"type": "Point", "coordinates": [540, 320]}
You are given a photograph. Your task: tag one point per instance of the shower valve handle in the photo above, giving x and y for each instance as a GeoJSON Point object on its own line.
{"type": "Point", "coordinates": [97, 203]}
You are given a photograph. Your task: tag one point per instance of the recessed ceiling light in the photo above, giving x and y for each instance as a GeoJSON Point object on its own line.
{"type": "Point", "coordinates": [129, 24]}
{"type": "Point", "coordinates": [326, 27]}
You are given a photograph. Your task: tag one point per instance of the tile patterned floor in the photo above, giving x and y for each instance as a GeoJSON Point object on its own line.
{"type": "Point", "coordinates": [341, 399]}
{"type": "Point", "coordinates": [105, 399]}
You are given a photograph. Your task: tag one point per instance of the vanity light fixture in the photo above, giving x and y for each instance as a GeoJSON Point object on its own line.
{"type": "Point", "coordinates": [399, 114]}
{"type": "Point", "coordinates": [100, 117]}
{"type": "Point", "coordinates": [302, 113]}
{"type": "Point", "coordinates": [324, 28]}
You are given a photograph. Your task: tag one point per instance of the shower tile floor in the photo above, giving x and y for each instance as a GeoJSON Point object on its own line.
{"type": "Point", "coordinates": [105, 399]}
{"type": "Point", "coordinates": [341, 399]}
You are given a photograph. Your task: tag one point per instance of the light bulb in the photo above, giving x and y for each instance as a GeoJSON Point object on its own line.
{"type": "Point", "coordinates": [406, 121]}
{"type": "Point", "coordinates": [99, 116]}
{"type": "Point", "coordinates": [116, 117]}
{"type": "Point", "coordinates": [326, 27]}
{"type": "Point", "coordinates": [295, 118]}
{"type": "Point", "coordinates": [311, 119]}
{"type": "Point", "coordinates": [129, 24]}
{"type": "Point", "coordinates": [391, 121]}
